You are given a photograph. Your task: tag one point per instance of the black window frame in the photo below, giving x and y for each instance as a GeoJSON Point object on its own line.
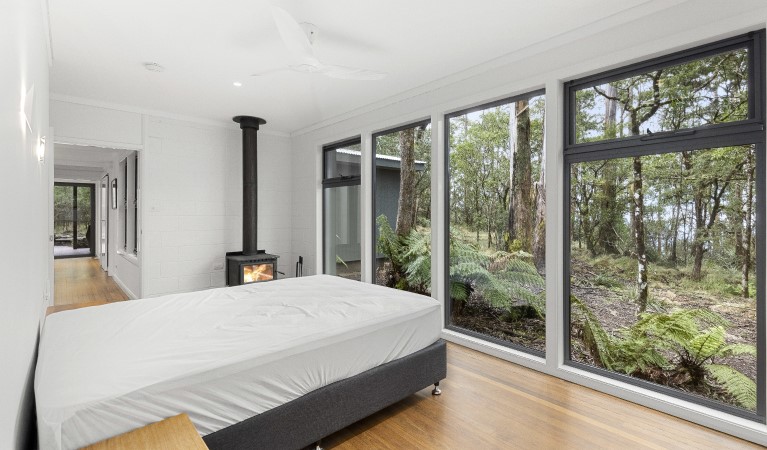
{"type": "Point", "coordinates": [446, 218]}
{"type": "Point", "coordinates": [750, 131]}
{"type": "Point", "coordinates": [135, 204]}
{"type": "Point", "coordinates": [374, 152]}
{"type": "Point", "coordinates": [688, 138]}
{"type": "Point", "coordinates": [75, 210]}
{"type": "Point", "coordinates": [334, 182]}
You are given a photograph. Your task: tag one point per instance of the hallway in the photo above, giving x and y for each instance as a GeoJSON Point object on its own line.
{"type": "Point", "coordinates": [81, 280]}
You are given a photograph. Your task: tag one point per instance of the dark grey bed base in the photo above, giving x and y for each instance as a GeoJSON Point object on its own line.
{"type": "Point", "coordinates": [320, 413]}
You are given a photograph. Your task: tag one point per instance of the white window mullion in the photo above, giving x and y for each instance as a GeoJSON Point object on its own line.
{"type": "Point", "coordinates": [554, 167]}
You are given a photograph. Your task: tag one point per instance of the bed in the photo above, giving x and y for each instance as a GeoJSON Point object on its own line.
{"type": "Point", "coordinates": [269, 365]}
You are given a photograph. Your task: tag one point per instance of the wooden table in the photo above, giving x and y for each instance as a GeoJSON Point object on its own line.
{"type": "Point", "coordinates": [174, 433]}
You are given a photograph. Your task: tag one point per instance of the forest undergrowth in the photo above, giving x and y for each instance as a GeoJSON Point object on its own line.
{"type": "Point", "coordinates": [605, 285]}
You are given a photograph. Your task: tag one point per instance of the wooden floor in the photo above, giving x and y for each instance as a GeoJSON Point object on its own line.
{"type": "Point", "coordinates": [81, 280]}
{"type": "Point", "coordinates": [488, 403]}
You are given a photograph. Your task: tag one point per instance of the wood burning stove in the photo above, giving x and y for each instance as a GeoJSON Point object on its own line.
{"type": "Point", "coordinates": [250, 265]}
{"type": "Point", "coordinates": [246, 269]}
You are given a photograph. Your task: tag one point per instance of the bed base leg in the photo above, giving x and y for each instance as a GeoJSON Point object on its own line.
{"type": "Point", "coordinates": [318, 445]}
{"type": "Point", "coordinates": [436, 390]}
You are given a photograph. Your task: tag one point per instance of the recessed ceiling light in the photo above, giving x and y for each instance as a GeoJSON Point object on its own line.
{"type": "Point", "coordinates": [237, 84]}
{"type": "Point", "coordinates": [153, 67]}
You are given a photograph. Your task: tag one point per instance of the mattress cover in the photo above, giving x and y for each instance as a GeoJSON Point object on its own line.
{"type": "Point", "coordinates": [220, 355]}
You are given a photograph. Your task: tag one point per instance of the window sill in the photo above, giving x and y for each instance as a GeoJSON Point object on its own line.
{"type": "Point", "coordinates": [130, 257]}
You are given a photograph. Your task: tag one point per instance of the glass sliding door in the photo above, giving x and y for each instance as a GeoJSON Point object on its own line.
{"type": "Point", "coordinates": [496, 221]}
{"type": "Point", "coordinates": [402, 205]}
{"type": "Point", "coordinates": [73, 212]}
{"type": "Point", "coordinates": [341, 210]}
{"type": "Point", "coordinates": [664, 260]}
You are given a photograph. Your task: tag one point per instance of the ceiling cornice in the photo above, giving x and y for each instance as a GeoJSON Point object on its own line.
{"type": "Point", "coordinates": [227, 124]}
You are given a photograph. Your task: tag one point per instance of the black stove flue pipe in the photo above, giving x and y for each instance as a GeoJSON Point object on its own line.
{"type": "Point", "coordinates": [249, 126]}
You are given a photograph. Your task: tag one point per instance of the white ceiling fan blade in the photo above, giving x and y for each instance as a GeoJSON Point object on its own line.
{"type": "Point", "coordinates": [351, 73]}
{"type": "Point", "coordinates": [293, 36]}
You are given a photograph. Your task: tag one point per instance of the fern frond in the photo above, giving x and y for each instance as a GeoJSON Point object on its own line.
{"type": "Point", "coordinates": [706, 344]}
{"type": "Point", "coordinates": [459, 291]}
{"type": "Point", "coordinates": [742, 388]}
{"type": "Point", "coordinates": [595, 337]}
{"type": "Point", "coordinates": [738, 349]}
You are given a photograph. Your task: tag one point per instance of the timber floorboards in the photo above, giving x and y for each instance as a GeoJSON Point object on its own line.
{"type": "Point", "coordinates": [488, 403]}
{"type": "Point", "coordinates": [81, 280]}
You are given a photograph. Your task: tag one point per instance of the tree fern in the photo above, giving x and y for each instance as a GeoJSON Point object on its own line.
{"type": "Point", "coordinates": [694, 338]}
{"type": "Point", "coordinates": [504, 280]}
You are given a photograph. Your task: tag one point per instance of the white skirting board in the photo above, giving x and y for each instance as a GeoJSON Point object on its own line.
{"type": "Point", "coordinates": [124, 288]}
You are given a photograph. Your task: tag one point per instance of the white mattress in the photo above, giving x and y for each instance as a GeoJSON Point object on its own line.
{"type": "Point", "coordinates": [220, 355]}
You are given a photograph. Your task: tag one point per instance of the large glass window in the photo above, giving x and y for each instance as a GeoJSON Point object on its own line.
{"type": "Point", "coordinates": [496, 216]}
{"type": "Point", "coordinates": [705, 91]}
{"type": "Point", "coordinates": [402, 199]}
{"type": "Point", "coordinates": [665, 274]}
{"type": "Point", "coordinates": [341, 210]}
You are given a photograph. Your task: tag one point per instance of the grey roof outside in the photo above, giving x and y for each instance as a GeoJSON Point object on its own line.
{"type": "Point", "coordinates": [382, 161]}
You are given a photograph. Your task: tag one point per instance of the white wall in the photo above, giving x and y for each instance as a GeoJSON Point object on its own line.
{"type": "Point", "coordinates": [102, 127]}
{"type": "Point", "coordinates": [547, 65]}
{"type": "Point", "coordinates": [24, 189]}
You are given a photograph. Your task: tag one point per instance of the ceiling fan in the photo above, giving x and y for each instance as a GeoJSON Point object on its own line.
{"type": "Point", "coordinates": [299, 42]}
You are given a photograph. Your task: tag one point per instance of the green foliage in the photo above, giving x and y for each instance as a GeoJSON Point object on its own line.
{"type": "Point", "coordinates": [742, 389]}
{"type": "Point", "coordinates": [606, 281]}
{"type": "Point", "coordinates": [682, 346]}
{"type": "Point", "coordinates": [63, 212]}
{"type": "Point", "coordinates": [409, 256]}
{"type": "Point", "coordinates": [504, 280]}
{"type": "Point", "coordinates": [597, 341]}
{"type": "Point", "coordinates": [480, 165]}
{"type": "Point", "coordinates": [719, 281]}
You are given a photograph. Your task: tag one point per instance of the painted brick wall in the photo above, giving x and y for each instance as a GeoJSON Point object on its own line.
{"type": "Point", "coordinates": [193, 203]}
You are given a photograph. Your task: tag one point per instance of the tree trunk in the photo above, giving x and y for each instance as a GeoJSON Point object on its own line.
{"type": "Point", "coordinates": [407, 182]}
{"type": "Point", "coordinates": [675, 227]}
{"type": "Point", "coordinates": [539, 231]}
{"type": "Point", "coordinates": [749, 209]}
{"type": "Point", "coordinates": [489, 227]}
{"type": "Point", "coordinates": [700, 220]}
{"type": "Point", "coordinates": [513, 139]}
{"type": "Point", "coordinates": [521, 218]}
{"type": "Point", "coordinates": [607, 236]}
{"type": "Point", "coordinates": [639, 235]}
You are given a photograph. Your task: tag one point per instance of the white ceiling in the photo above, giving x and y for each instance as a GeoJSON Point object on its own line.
{"type": "Point", "coordinates": [205, 45]}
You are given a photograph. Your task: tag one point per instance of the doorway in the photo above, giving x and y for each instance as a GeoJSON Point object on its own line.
{"type": "Point", "coordinates": [73, 220]}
